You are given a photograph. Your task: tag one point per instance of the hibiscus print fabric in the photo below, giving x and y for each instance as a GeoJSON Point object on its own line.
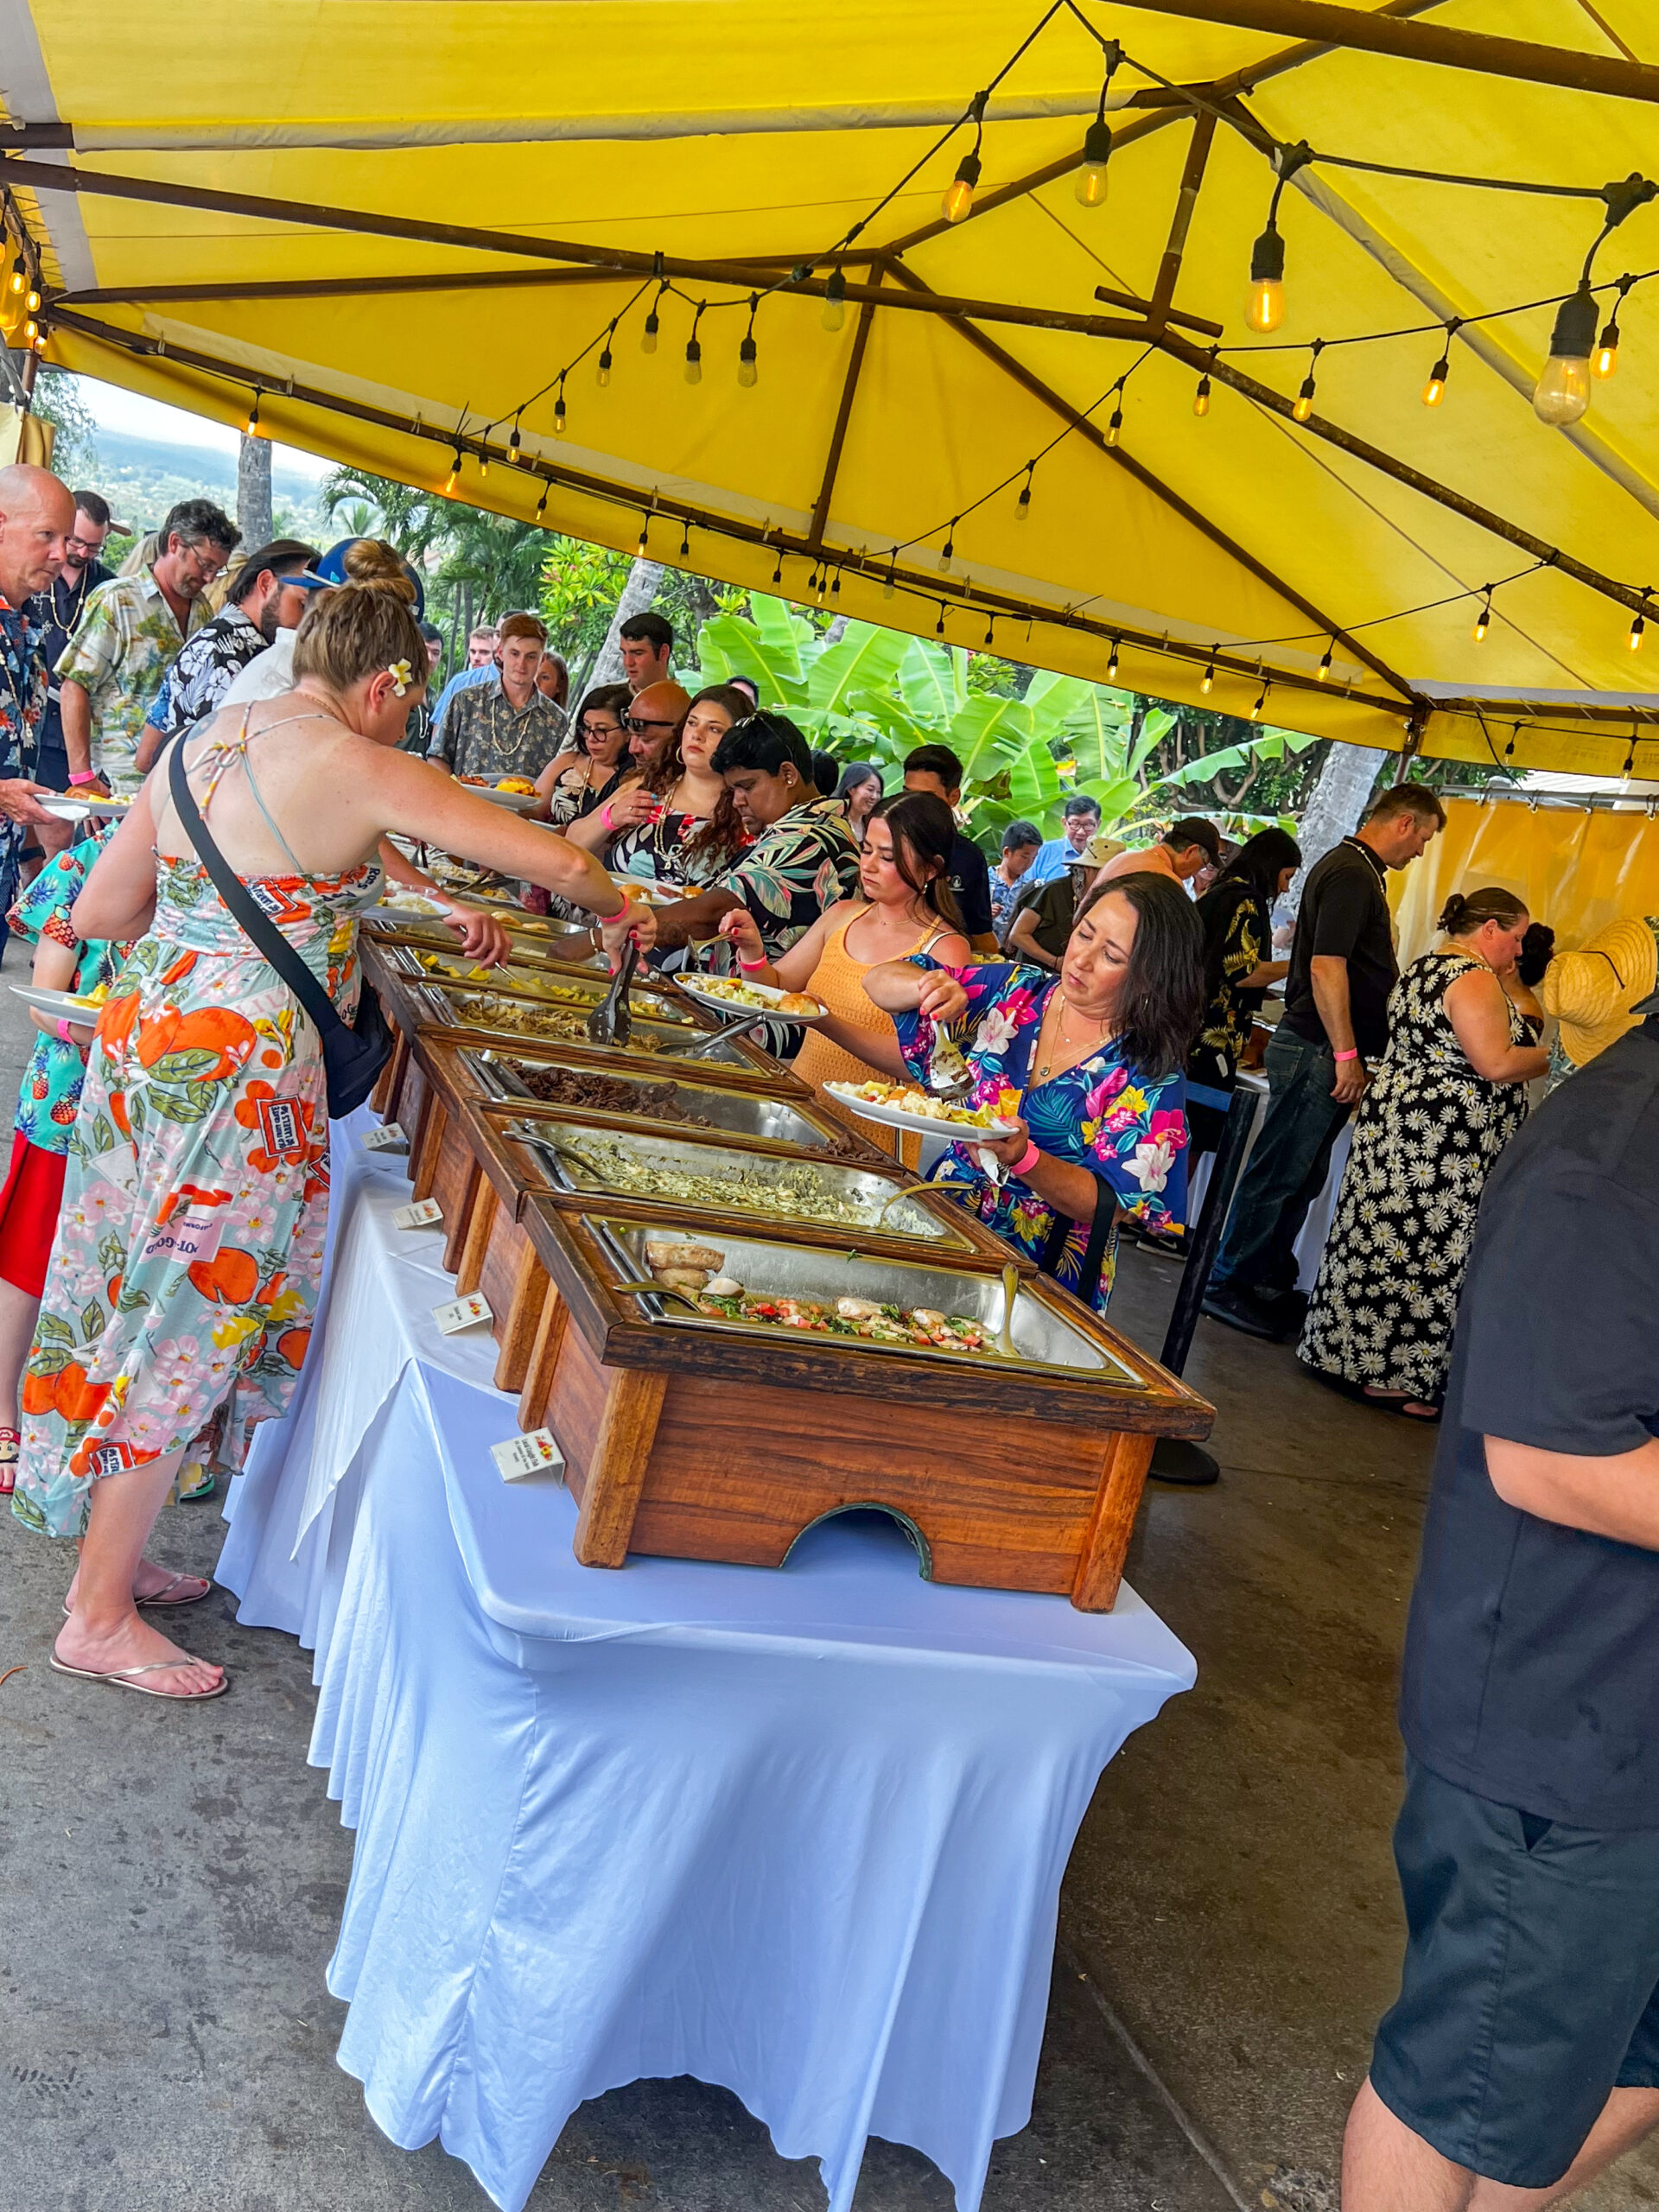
{"type": "Point", "coordinates": [182, 1283]}
{"type": "Point", "coordinates": [50, 1093]}
{"type": "Point", "coordinates": [1127, 1128]}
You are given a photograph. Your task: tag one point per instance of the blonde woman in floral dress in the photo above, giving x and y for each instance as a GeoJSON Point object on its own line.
{"type": "Point", "coordinates": [184, 1278]}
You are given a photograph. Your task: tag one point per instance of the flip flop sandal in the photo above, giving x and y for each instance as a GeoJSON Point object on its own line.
{"type": "Point", "coordinates": [163, 1600]}
{"type": "Point", "coordinates": [126, 1678]}
{"type": "Point", "coordinates": [11, 1445]}
{"type": "Point", "coordinates": [201, 1483]}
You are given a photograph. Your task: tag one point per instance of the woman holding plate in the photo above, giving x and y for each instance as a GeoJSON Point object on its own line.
{"type": "Point", "coordinates": [1087, 1066]}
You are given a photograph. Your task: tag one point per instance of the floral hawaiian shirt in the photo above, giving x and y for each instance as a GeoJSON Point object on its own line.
{"type": "Point", "coordinates": [23, 702]}
{"type": "Point", "coordinates": [118, 656]}
{"type": "Point", "coordinates": [1127, 1128]}
{"type": "Point", "coordinates": [50, 1093]}
{"type": "Point", "coordinates": [481, 733]}
{"type": "Point", "coordinates": [198, 680]}
{"type": "Point", "coordinates": [793, 871]}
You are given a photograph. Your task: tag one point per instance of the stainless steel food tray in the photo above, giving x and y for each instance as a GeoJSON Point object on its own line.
{"type": "Point", "coordinates": [566, 1154]}
{"type": "Point", "coordinates": [546, 981]}
{"type": "Point", "coordinates": [743, 1113]}
{"type": "Point", "coordinates": [1043, 1337]}
{"type": "Point", "coordinates": [445, 1005]}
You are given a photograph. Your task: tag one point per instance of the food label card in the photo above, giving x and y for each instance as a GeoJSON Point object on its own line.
{"type": "Point", "coordinates": [537, 1453]}
{"type": "Point", "coordinates": [463, 1313]}
{"type": "Point", "coordinates": [425, 1213]}
{"type": "Point", "coordinates": [389, 1137]}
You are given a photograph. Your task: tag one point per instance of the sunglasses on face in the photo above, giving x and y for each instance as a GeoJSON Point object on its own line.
{"type": "Point", "coordinates": [638, 729]}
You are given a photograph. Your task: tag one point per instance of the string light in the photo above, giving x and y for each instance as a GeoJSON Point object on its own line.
{"type": "Point", "coordinates": [747, 373]}
{"type": "Point", "coordinates": [1639, 625]}
{"type": "Point", "coordinates": [834, 589]}
{"type": "Point", "coordinates": [602, 372]}
{"type": "Point", "coordinates": [1209, 683]}
{"type": "Point", "coordinates": [990, 632]}
{"type": "Point", "coordinates": [685, 540]}
{"type": "Point", "coordinates": [1434, 390]}
{"type": "Point", "coordinates": [1324, 664]}
{"type": "Point", "coordinates": [1259, 709]}
{"type": "Point", "coordinates": [1090, 186]}
{"type": "Point", "coordinates": [1508, 750]}
{"type": "Point", "coordinates": [251, 427]}
{"type": "Point", "coordinates": [644, 533]}
{"type": "Point", "coordinates": [18, 280]}
{"type": "Point", "coordinates": [1264, 303]}
{"type": "Point", "coordinates": [541, 504]}
{"type": "Point", "coordinates": [892, 563]}
{"type": "Point", "coordinates": [1111, 665]}
{"type": "Point", "coordinates": [1201, 396]}
{"type": "Point", "coordinates": [32, 302]}
{"type": "Point", "coordinates": [1022, 504]}
{"type": "Point", "coordinates": [558, 410]}
{"type": "Point", "coordinates": [483, 461]}
{"type": "Point", "coordinates": [1563, 390]}
{"type": "Point", "coordinates": [1304, 406]}
{"type": "Point", "coordinates": [938, 627]}
{"type": "Point", "coordinates": [694, 350]}
{"type": "Point", "coordinates": [1483, 620]}
{"type": "Point", "coordinates": [948, 550]}
{"type": "Point", "coordinates": [1605, 362]}
{"type": "Point", "coordinates": [652, 326]}
{"type": "Point", "coordinates": [453, 480]}
{"type": "Point", "coordinates": [834, 301]}
{"type": "Point", "coordinates": [959, 202]}
{"type": "Point", "coordinates": [778, 572]}
{"type": "Point", "coordinates": [1114, 427]}
{"type": "Point", "coordinates": [515, 456]}
{"type": "Point", "coordinates": [1629, 758]}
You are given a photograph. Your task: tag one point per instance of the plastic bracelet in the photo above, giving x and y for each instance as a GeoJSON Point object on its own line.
{"type": "Point", "coordinates": [1354, 1055]}
{"type": "Point", "coordinates": [64, 1033]}
{"type": "Point", "coordinates": [1029, 1159]}
{"type": "Point", "coordinates": [605, 815]}
{"type": "Point", "coordinates": [83, 776]}
{"type": "Point", "coordinates": [750, 966]}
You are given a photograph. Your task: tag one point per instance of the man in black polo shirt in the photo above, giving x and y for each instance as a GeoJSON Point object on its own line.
{"type": "Point", "coordinates": [935, 769]}
{"type": "Point", "coordinates": [1524, 2051]}
{"type": "Point", "coordinates": [57, 611]}
{"type": "Point", "coordinates": [1342, 969]}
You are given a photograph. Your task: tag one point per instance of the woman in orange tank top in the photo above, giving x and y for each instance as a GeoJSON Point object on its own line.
{"type": "Point", "coordinates": [903, 872]}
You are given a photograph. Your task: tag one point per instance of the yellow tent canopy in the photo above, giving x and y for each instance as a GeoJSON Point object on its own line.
{"type": "Point", "coordinates": [413, 228]}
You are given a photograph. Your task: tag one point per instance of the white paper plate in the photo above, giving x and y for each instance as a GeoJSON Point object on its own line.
{"type": "Point", "coordinates": [516, 802]}
{"type": "Point", "coordinates": [70, 806]}
{"type": "Point", "coordinates": [64, 1006]}
{"type": "Point", "coordinates": [415, 904]}
{"type": "Point", "coordinates": [926, 1125]}
{"type": "Point", "coordinates": [696, 987]}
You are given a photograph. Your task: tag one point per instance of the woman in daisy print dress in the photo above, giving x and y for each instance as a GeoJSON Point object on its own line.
{"type": "Point", "coordinates": [1088, 1063]}
{"type": "Point", "coordinates": [183, 1280]}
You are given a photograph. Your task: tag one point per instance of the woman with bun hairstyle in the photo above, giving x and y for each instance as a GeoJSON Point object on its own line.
{"type": "Point", "coordinates": [1445, 1098]}
{"type": "Point", "coordinates": [182, 1284]}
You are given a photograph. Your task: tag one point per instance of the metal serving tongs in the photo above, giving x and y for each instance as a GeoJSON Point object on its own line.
{"type": "Point", "coordinates": [1010, 1292]}
{"type": "Point", "coordinates": [610, 1023]}
{"type": "Point", "coordinates": [663, 1290]}
{"type": "Point", "coordinates": [749, 1020]}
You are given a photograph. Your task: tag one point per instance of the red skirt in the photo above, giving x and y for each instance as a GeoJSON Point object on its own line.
{"type": "Point", "coordinates": [29, 1205]}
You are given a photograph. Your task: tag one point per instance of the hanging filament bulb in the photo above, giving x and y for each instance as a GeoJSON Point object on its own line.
{"type": "Point", "coordinates": [541, 504]}
{"type": "Point", "coordinates": [1639, 628]}
{"type": "Point", "coordinates": [1111, 665]}
{"type": "Point", "coordinates": [990, 633]}
{"type": "Point", "coordinates": [1022, 504]}
{"type": "Point", "coordinates": [451, 484]}
{"type": "Point", "coordinates": [778, 572]}
{"type": "Point", "coordinates": [251, 427]}
{"type": "Point", "coordinates": [483, 461]}
{"type": "Point", "coordinates": [1264, 303]}
{"type": "Point", "coordinates": [1434, 390]}
{"type": "Point", "coordinates": [18, 280]}
{"type": "Point", "coordinates": [938, 627]}
{"type": "Point", "coordinates": [1257, 710]}
{"type": "Point", "coordinates": [685, 541]}
{"type": "Point", "coordinates": [32, 301]}
{"type": "Point", "coordinates": [834, 589]}
{"type": "Point", "coordinates": [602, 369]}
{"type": "Point", "coordinates": [1325, 663]}
{"type": "Point", "coordinates": [1090, 187]}
{"type": "Point", "coordinates": [1201, 398]}
{"type": "Point", "coordinates": [31, 331]}
{"type": "Point", "coordinates": [1114, 427]}
{"type": "Point", "coordinates": [693, 360]}
{"type": "Point", "coordinates": [644, 539]}
{"type": "Point", "coordinates": [558, 411]}
{"type": "Point", "coordinates": [515, 456]}
{"type": "Point", "coordinates": [959, 202]}
{"type": "Point", "coordinates": [1304, 405]}
{"type": "Point", "coordinates": [948, 550]}
{"type": "Point", "coordinates": [1604, 362]}
{"type": "Point", "coordinates": [1209, 683]}
{"type": "Point", "coordinates": [747, 373]}
{"type": "Point", "coordinates": [1483, 620]}
{"type": "Point", "coordinates": [834, 301]}
{"type": "Point", "coordinates": [1563, 390]}
{"type": "Point", "coordinates": [648, 335]}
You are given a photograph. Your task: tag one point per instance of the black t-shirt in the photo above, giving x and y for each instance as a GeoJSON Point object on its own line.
{"type": "Point", "coordinates": [1054, 904]}
{"type": "Point", "coordinates": [1532, 1653]}
{"type": "Point", "coordinates": [1344, 916]}
{"type": "Point", "coordinates": [58, 609]}
{"type": "Point", "coordinates": [970, 879]}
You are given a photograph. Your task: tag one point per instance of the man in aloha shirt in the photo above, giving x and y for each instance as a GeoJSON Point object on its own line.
{"type": "Point", "coordinates": [112, 668]}
{"type": "Point", "coordinates": [260, 602]}
{"type": "Point", "coordinates": [37, 515]}
{"type": "Point", "coordinates": [504, 726]}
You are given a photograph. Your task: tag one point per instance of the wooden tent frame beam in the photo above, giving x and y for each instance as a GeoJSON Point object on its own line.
{"type": "Point", "coordinates": [1380, 31]}
{"type": "Point", "coordinates": [1092, 434]}
{"type": "Point", "coordinates": [966, 597]}
{"type": "Point", "coordinates": [843, 416]}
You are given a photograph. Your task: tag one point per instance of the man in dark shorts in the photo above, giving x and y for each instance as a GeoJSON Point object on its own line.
{"type": "Point", "coordinates": [1523, 2054]}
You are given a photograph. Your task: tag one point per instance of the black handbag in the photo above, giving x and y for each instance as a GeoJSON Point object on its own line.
{"type": "Point", "coordinates": [352, 1057]}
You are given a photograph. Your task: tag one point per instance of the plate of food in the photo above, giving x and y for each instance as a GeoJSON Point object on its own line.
{"type": "Point", "coordinates": [906, 1106]}
{"type": "Point", "coordinates": [403, 900]}
{"type": "Point", "coordinates": [732, 994]}
{"type": "Point", "coordinates": [515, 792]}
{"type": "Point", "coordinates": [647, 889]}
{"type": "Point", "coordinates": [72, 807]}
{"type": "Point", "coordinates": [63, 1006]}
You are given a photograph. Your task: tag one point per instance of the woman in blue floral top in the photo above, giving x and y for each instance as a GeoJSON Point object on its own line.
{"type": "Point", "coordinates": [1087, 1064]}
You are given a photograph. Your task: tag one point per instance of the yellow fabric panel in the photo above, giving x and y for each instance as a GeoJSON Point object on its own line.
{"type": "Point", "coordinates": [1576, 869]}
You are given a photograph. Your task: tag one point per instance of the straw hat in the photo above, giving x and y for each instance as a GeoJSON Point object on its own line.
{"type": "Point", "coordinates": [1592, 993]}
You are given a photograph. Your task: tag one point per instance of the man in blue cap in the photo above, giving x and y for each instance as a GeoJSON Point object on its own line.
{"type": "Point", "coordinates": [272, 670]}
{"type": "Point", "coordinates": [268, 594]}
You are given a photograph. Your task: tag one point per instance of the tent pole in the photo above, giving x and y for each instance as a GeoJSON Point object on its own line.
{"type": "Point", "coordinates": [1186, 199]}
{"type": "Point", "coordinates": [843, 416]}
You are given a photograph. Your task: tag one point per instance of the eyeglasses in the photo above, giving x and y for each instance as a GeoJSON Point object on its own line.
{"type": "Point", "coordinates": [600, 729]}
{"type": "Point", "coordinates": [91, 547]}
{"type": "Point", "coordinates": [208, 566]}
{"type": "Point", "coordinates": [638, 727]}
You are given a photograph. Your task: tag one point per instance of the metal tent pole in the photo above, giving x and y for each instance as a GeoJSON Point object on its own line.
{"type": "Point", "coordinates": [1174, 1460]}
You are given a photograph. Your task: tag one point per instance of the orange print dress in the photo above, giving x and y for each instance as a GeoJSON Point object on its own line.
{"type": "Point", "coordinates": [184, 1275]}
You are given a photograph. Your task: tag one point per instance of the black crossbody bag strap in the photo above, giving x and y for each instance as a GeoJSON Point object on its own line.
{"type": "Point", "coordinates": [267, 938]}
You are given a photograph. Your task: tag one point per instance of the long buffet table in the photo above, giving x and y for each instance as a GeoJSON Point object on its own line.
{"type": "Point", "coordinates": [759, 1803]}
{"type": "Point", "coordinates": [800, 1832]}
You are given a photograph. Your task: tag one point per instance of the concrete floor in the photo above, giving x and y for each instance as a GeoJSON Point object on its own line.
{"type": "Point", "coordinates": [1229, 1928]}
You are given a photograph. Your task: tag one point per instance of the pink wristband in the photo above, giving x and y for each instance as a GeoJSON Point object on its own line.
{"type": "Point", "coordinates": [86, 776]}
{"type": "Point", "coordinates": [605, 815]}
{"type": "Point", "coordinates": [64, 1033]}
{"type": "Point", "coordinates": [1354, 1055]}
{"type": "Point", "coordinates": [750, 966]}
{"type": "Point", "coordinates": [1028, 1161]}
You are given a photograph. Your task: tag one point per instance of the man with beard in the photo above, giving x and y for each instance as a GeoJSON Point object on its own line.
{"type": "Point", "coordinates": [262, 600]}
{"type": "Point", "coordinates": [56, 611]}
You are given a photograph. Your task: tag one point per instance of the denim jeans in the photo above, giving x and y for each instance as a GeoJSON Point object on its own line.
{"type": "Point", "coordinates": [1286, 1170]}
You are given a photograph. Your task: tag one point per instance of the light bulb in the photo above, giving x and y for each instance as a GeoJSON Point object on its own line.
{"type": "Point", "coordinates": [648, 335]}
{"type": "Point", "coordinates": [1090, 187]}
{"type": "Point", "coordinates": [452, 482]}
{"type": "Point", "coordinates": [747, 373]}
{"type": "Point", "coordinates": [558, 416]}
{"type": "Point", "coordinates": [602, 373]}
{"type": "Point", "coordinates": [693, 360]}
{"type": "Point", "coordinates": [1483, 622]}
{"type": "Point", "coordinates": [1606, 361]}
{"type": "Point", "coordinates": [33, 304]}
{"type": "Point", "coordinates": [1022, 505]}
{"type": "Point", "coordinates": [31, 331]}
{"type": "Point", "coordinates": [251, 427]}
{"type": "Point", "coordinates": [514, 442]}
{"type": "Point", "coordinates": [958, 201]}
{"type": "Point", "coordinates": [1324, 665]}
{"type": "Point", "coordinates": [18, 280]}
{"type": "Point", "coordinates": [1209, 683]}
{"type": "Point", "coordinates": [834, 301]}
{"type": "Point", "coordinates": [1563, 391]}
{"type": "Point", "coordinates": [1434, 390]}
{"type": "Point", "coordinates": [483, 464]}
{"type": "Point", "coordinates": [1111, 665]}
{"type": "Point", "coordinates": [1304, 405]}
{"type": "Point", "coordinates": [888, 587]}
{"type": "Point", "coordinates": [1114, 428]}
{"type": "Point", "coordinates": [1264, 303]}
{"type": "Point", "coordinates": [946, 552]}
{"type": "Point", "coordinates": [40, 342]}
{"type": "Point", "coordinates": [1201, 396]}
{"type": "Point", "coordinates": [1256, 711]}
{"type": "Point", "coordinates": [1637, 627]}
{"type": "Point", "coordinates": [541, 504]}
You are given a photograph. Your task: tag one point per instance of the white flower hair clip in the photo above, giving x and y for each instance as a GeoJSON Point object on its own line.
{"type": "Point", "coordinates": [401, 676]}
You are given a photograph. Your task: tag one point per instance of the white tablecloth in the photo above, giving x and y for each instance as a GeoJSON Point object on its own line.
{"type": "Point", "coordinates": [797, 1832]}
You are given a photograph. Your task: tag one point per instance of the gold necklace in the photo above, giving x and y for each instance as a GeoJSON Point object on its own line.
{"type": "Point", "coordinates": [1061, 1040]}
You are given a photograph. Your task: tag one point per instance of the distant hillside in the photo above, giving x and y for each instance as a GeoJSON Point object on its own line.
{"type": "Point", "coordinates": [142, 478]}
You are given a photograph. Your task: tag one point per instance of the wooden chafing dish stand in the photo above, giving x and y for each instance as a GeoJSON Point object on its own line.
{"type": "Point", "coordinates": [704, 1439]}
